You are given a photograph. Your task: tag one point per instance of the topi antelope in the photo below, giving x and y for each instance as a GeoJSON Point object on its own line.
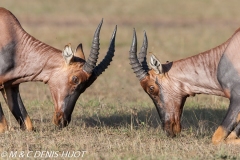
{"type": "Point", "coordinates": [215, 72]}
{"type": "Point", "coordinates": [24, 58]}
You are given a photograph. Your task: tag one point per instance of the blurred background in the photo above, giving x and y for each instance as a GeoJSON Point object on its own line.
{"type": "Point", "coordinates": [175, 30]}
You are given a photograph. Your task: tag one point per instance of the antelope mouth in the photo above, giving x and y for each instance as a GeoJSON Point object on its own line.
{"type": "Point", "coordinates": [59, 120]}
{"type": "Point", "coordinates": [172, 129]}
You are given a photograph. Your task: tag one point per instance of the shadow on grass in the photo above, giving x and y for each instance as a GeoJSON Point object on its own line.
{"type": "Point", "coordinates": [202, 118]}
{"type": "Point", "coordinates": [191, 118]}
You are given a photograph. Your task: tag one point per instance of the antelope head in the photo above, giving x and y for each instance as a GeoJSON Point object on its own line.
{"type": "Point", "coordinates": [77, 74]}
{"type": "Point", "coordinates": [159, 86]}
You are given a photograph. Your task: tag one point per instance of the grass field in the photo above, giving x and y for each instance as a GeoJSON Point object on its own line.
{"type": "Point", "coordinates": [114, 118]}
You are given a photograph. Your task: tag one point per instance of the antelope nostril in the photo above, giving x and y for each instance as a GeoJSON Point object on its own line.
{"type": "Point", "coordinates": [58, 120]}
{"type": "Point", "coordinates": [58, 114]}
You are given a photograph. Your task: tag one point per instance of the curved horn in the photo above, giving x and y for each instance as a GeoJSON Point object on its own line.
{"type": "Point", "coordinates": [102, 66]}
{"type": "Point", "coordinates": [142, 56]}
{"type": "Point", "coordinates": [92, 59]}
{"type": "Point", "coordinates": [136, 66]}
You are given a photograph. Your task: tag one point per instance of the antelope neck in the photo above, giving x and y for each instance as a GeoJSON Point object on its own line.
{"type": "Point", "coordinates": [198, 74]}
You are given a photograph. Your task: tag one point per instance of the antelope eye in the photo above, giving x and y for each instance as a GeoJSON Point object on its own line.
{"type": "Point", "coordinates": [151, 88]}
{"type": "Point", "coordinates": [75, 80]}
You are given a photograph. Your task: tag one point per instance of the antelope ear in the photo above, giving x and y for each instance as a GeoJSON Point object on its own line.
{"type": "Point", "coordinates": [155, 65]}
{"type": "Point", "coordinates": [79, 52]}
{"type": "Point", "coordinates": [68, 54]}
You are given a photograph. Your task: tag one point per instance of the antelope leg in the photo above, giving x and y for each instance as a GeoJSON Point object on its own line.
{"type": "Point", "coordinates": [15, 104]}
{"type": "Point", "coordinates": [230, 121]}
{"type": "Point", "coordinates": [3, 121]}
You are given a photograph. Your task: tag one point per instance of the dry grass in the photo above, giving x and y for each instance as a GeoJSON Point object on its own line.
{"type": "Point", "coordinates": [114, 118]}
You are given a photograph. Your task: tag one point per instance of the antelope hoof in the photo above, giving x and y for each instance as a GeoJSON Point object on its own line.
{"type": "Point", "coordinates": [219, 135]}
{"type": "Point", "coordinates": [28, 124]}
{"type": "Point", "coordinates": [232, 135]}
{"type": "Point", "coordinates": [3, 125]}
{"type": "Point", "coordinates": [232, 139]}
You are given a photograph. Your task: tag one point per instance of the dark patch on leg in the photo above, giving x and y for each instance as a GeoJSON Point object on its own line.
{"type": "Point", "coordinates": [232, 135]}
{"type": "Point", "coordinates": [7, 55]}
{"type": "Point", "coordinates": [231, 118]}
{"type": "Point", "coordinates": [227, 74]}
{"type": "Point", "coordinates": [24, 118]}
{"type": "Point", "coordinates": [1, 112]}
{"type": "Point", "coordinates": [17, 108]}
{"type": "Point", "coordinates": [229, 79]}
{"type": "Point", "coordinates": [237, 130]}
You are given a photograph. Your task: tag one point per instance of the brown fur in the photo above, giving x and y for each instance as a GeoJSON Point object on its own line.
{"type": "Point", "coordinates": [172, 125]}
{"type": "Point", "coordinates": [3, 125]}
{"type": "Point", "coordinates": [215, 71]}
{"type": "Point", "coordinates": [33, 60]}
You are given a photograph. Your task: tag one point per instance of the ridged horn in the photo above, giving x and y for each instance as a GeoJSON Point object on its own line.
{"type": "Point", "coordinates": [92, 59]}
{"type": "Point", "coordinates": [142, 56]}
{"type": "Point", "coordinates": [102, 66]}
{"type": "Point", "coordinates": [136, 66]}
